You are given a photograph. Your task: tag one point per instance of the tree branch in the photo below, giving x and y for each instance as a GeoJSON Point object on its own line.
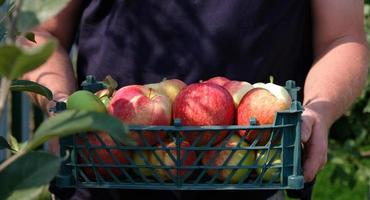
{"type": "Point", "coordinates": [365, 154]}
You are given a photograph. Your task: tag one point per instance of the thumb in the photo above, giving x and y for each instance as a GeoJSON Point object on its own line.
{"type": "Point", "coordinates": [52, 104]}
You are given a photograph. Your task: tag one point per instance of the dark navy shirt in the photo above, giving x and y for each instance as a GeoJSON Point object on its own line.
{"type": "Point", "coordinates": [143, 41]}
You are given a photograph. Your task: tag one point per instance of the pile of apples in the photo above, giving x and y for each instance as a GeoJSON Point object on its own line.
{"type": "Point", "coordinates": [214, 102]}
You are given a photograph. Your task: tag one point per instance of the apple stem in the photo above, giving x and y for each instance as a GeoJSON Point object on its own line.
{"type": "Point", "coordinates": [110, 84]}
{"type": "Point", "coordinates": [110, 91]}
{"type": "Point", "coordinates": [271, 79]}
{"type": "Point", "coordinates": [150, 93]}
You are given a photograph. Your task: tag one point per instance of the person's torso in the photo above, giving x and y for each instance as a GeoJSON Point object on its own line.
{"type": "Point", "coordinates": [143, 41]}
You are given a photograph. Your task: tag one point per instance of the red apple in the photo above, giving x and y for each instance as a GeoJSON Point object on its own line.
{"type": "Point", "coordinates": [262, 103]}
{"type": "Point", "coordinates": [187, 158]}
{"type": "Point", "coordinates": [204, 104]}
{"type": "Point", "coordinates": [170, 87]}
{"type": "Point", "coordinates": [216, 158]}
{"type": "Point", "coordinates": [139, 105]}
{"type": "Point", "coordinates": [218, 80]}
{"type": "Point", "coordinates": [237, 89]}
{"type": "Point", "coordinates": [99, 153]}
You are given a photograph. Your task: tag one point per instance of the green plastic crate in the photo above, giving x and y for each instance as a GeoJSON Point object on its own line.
{"type": "Point", "coordinates": [130, 167]}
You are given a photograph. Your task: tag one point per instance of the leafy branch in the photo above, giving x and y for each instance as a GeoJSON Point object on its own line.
{"type": "Point", "coordinates": [27, 172]}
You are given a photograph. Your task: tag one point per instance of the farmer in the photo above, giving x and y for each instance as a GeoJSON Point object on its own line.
{"type": "Point", "coordinates": [320, 44]}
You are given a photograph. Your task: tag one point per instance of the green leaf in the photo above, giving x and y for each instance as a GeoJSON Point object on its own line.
{"type": "Point", "coordinates": [360, 175]}
{"type": "Point", "coordinates": [367, 107]}
{"type": "Point", "coordinates": [367, 10]}
{"type": "Point", "coordinates": [14, 61]}
{"type": "Point", "coordinates": [30, 36]}
{"type": "Point", "coordinates": [45, 194]}
{"type": "Point", "coordinates": [30, 193]}
{"type": "Point", "coordinates": [30, 86]}
{"type": "Point", "coordinates": [39, 193]}
{"type": "Point", "coordinates": [2, 2]}
{"type": "Point", "coordinates": [338, 161]}
{"type": "Point", "coordinates": [75, 121]}
{"type": "Point", "coordinates": [26, 176]}
{"type": "Point", "coordinates": [4, 144]}
{"type": "Point", "coordinates": [14, 143]}
{"type": "Point", "coordinates": [33, 12]}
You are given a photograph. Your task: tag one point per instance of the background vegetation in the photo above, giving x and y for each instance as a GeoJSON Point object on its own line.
{"type": "Point", "coordinates": [347, 174]}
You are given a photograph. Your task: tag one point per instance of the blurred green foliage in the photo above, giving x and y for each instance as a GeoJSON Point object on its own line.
{"type": "Point", "coordinates": [326, 189]}
{"type": "Point", "coordinates": [349, 146]}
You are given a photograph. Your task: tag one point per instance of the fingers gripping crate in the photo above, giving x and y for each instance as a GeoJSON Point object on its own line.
{"type": "Point", "coordinates": [218, 157]}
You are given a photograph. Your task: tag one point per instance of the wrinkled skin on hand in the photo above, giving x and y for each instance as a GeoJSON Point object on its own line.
{"type": "Point", "coordinates": [315, 142]}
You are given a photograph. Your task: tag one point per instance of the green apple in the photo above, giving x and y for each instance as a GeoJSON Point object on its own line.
{"type": "Point", "coordinates": [170, 87]}
{"type": "Point", "coordinates": [222, 156]}
{"type": "Point", "coordinates": [269, 159]}
{"type": "Point", "coordinates": [167, 160]}
{"type": "Point", "coordinates": [105, 95]}
{"type": "Point", "coordinates": [105, 100]}
{"type": "Point", "coordinates": [139, 160]}
{"type": "Point", "coordinates": [85, 100]}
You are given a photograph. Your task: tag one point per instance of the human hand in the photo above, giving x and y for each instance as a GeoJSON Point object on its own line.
{"type": "Point", "coordinates": [53, 144]}
{"type": "Point", "coordinates": [50, 105]}
{"type": "Point", "coordinates": [314, 136]}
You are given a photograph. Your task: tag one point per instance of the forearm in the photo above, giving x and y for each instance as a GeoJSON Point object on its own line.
{"type": "Point", "coordinates": [337, 78]}
{"type": "Point", "coordinates": [56, 73]}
